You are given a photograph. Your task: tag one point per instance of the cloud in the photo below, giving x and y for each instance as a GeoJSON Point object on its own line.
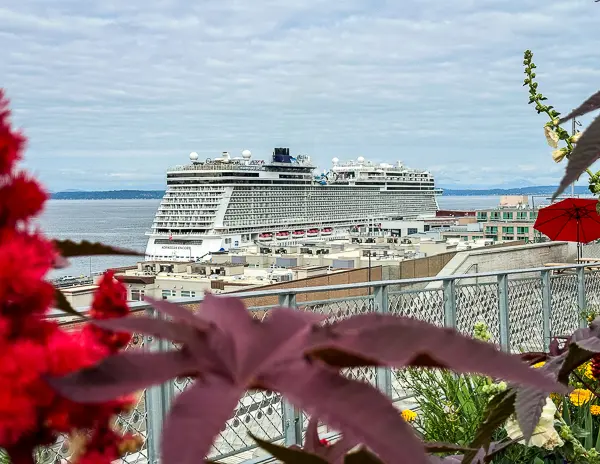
{"type": "Point", "coordinates": [132, 87]}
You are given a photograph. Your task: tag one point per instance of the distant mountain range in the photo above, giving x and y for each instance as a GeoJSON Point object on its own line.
{"type": "Point", "coordinates": [158, 194]}
{"type": "Point", "coordinates": [108, 195]}
{"type": "Point", "coordinates": [531, 190]}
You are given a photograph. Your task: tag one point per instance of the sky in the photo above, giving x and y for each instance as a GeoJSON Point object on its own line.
{"type": "Point", "coordinates": [111, 93]}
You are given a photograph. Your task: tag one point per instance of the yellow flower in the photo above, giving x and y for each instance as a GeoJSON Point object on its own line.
{"type": "Point", "coordinates": [558, 155]}
{"type": "Point", "coordinates": [575, 138]}
{"type": "Point", "coordinates": [588, 371]}
{"type": "Point", "coordinates": [409, 415]}
{"type": "Point", "coordinates": [555, 397]}
{"type": "Point", "coordinates": [538, 365]}
{"type": "Point", "coordinates": [551, 137]}
{"type": "Point", "coordinates": [595, 410]}
{"type": "Point", "coordinates": [580, 396]}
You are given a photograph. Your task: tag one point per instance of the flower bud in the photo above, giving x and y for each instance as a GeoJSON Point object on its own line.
{"type": "Point", "coordinates": [575, 138]}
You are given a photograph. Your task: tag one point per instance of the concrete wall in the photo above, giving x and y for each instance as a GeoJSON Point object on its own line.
{"type": "Point", "coordinates": [506, 258]}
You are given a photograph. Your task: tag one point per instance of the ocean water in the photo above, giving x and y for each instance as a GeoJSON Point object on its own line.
{"type": "Point", "coordinates": [123, 224]}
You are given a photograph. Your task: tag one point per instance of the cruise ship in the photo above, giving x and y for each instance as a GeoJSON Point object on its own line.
{"type": "Point", "coordinates": [230, 202]}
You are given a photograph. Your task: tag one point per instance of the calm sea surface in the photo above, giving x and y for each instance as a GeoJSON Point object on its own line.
{"type": "Point", "coordinates": [123, 223]}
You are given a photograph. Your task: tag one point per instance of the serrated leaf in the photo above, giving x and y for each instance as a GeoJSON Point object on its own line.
{"type": "Point", "coordinates": [122, 374]}
{"type": "Point", "coordinates": [288, 455]}
{"type": "Point", "coordinates": [585, 153]}
{"type": "Point", "coordinates": [196, 418]}
{"type": "Point", "coordinates": [497, 412]}
{"type": "Point", "coordinates": [591, 104]}
{"type": "Point", "coordinates": [571, 360]}
{"type": "Point", "coordinates": [362, 456]}
{"type": "Point", "coordinates": [178, 313]}
{"type": "Point", "coordinates": [61, 302]}
{"type": "Point", "coordinates": [399, 342]}
{"type": "Point", "coordinates": [529, 404]}
{"type": "Point", "coordinates": [69, 248]}
{"type": "Point", "coordinates": [322, 392]}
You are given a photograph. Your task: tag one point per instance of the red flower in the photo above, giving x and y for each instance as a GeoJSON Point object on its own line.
{"type": "Point", "coordinates": [110, 301]}
{"type": "Point", "coordinates": [20, 199]}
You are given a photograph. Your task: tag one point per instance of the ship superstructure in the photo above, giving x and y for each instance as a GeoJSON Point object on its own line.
{"type": "Point", "coordinates": [223, 203]}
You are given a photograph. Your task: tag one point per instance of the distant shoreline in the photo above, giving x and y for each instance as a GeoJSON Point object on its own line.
{"type": "Point", "coordinates": [158, 194]}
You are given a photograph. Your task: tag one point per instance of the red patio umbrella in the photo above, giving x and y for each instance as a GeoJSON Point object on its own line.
{"type": "Point", "coordinates": [570, 220]}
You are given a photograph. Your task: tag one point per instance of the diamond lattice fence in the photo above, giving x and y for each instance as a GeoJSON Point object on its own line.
{"type": "Point", "coordinates": [525, 314]}
{"type": "Point", "coordinates": [477, 303]}
{"type": "Point", "coordinates": [564, 312]}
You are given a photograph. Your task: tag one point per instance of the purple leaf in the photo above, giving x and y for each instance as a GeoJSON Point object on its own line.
{"type": "Point", "coordinates": [353, 407]}
{"type": "Point", "coordinates": [591, 104]}
{"type": "Point", "coordinates": [178, 313]}
{"type": "Point", "coordinates": [399, 342]}
{"type": "Point", "coordinates": [311, 440]}
{"type": "Point", "coordinates": [122, 374]}
{"type": "Point", "coordinates": [333, 453]}
{"type": "Point", "coordinates": [196, 418]}
{"type": "Point", "coordinates": [363, 456]}
{"type": "Point", "coordinates": [282, 336]}
{"type": "Point", "coordinates": [291, 455]}
{"type": "Point", "coordinates": [68, 248]}
{"type": "Point", "coordinates": [582, 157]}
{"type": "Point", "coordinates": [160, 328]}
{"type": "Point", "coordinates": [528, 406]}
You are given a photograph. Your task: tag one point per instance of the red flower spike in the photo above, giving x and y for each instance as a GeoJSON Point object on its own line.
{"type": "Point", "coordinates": [32, 414]}
{"type": "Point", "coordinates": [21, 198]}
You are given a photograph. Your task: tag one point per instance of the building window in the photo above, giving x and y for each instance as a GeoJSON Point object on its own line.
{"type": "Point", "coordinates": [507, 216]}
{"type": "Point", "coordinates": [533, 215]}
{"type": "Point", "coordinates": [522, 215]}
{"type": "Point", "coordinates": [187, 294]}
{"type": "Point", "coordinates": [491, 230]}
{"type": "Point", "coordinates": [167, 293]}
{"type": "Point", "coordinates": [522, 230]}
{"type": "Point", "coordinates": [412, 230]}
{"type": "Point", "coordinates": [465, 238]}
{"type": "Point", "coordinates": [482, 215]}
{"type": "Point", "coordinates": [508, 230]}
{"type": "Point", "coordinates": [494, 215]}
{"type": "Point", "coordinates": [137, 295]}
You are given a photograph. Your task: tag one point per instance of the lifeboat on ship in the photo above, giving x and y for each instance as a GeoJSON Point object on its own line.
{"type": "Point", "coordinates": [282, 235]}
{"type": "Point", "coordinates": [266, 235]}
{"type": "Point", "coordinates": [327, 231]}
{"type": "Point", "coordinates": [312, 233]}
{"type": "Point", "coordinates": [298, 234]}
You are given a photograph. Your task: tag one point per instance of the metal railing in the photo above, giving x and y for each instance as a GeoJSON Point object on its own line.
{"type": "Point", "coordinates": [523, 309]}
